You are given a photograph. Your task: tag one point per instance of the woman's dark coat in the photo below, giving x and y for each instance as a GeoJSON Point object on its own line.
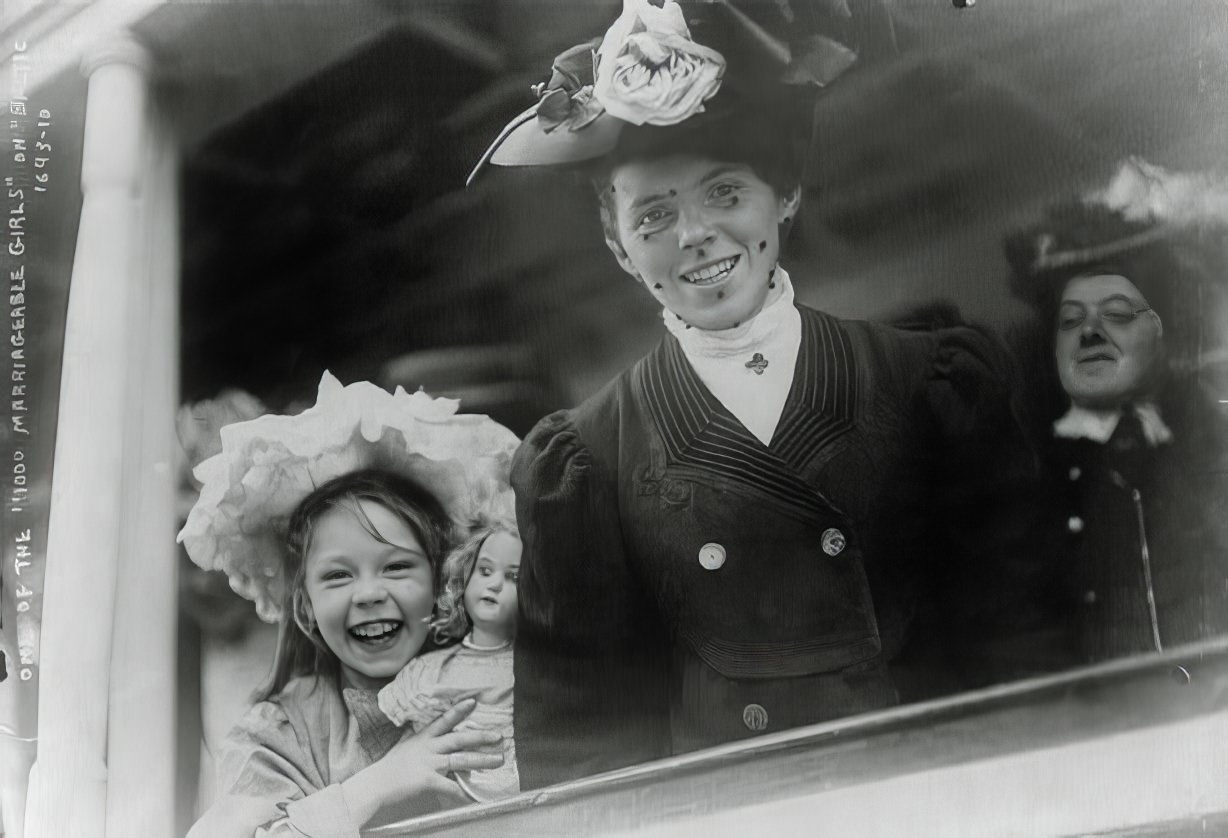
{"type": "Point", "coordinates": [684, 585]}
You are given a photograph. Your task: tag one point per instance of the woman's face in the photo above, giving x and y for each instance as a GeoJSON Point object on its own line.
{"type": "Point", "coordinates": [371, 600]}
{"type": "Point", "coordinates": [1108, 345]}
{"type": "Point", "coordinates": [702, 235]}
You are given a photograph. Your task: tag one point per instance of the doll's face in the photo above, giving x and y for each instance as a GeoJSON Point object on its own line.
{"type": "Point", "coordinates": [703, 236]}
{"type": "Point", "coordinates": [371, 600]}
{"type": "Point", "coordinates": [490, 595]}
{"type": "Point", "coordinates": [1108, 346]}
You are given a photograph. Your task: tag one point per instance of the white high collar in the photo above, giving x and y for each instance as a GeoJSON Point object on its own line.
{"type": "Point", "coordinates": [738, 340]}
{"type": "Point", "coordinates": [749, 367]}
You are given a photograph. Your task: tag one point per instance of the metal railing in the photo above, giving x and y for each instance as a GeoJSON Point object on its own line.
{"type": "Point", "coordinates": [1135, 743]}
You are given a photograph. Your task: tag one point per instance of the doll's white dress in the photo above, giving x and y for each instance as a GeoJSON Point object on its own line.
{"type": "Point", "coordinates": [431, 683]}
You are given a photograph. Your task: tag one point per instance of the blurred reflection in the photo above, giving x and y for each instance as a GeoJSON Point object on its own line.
{"type": "Point", "coordinates": [1129, 517]}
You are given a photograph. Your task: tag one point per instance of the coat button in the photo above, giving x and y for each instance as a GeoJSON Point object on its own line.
{"type": "Point", "coordinates": [755, 717]}
{"type": "Point", "coordinates": [711, 556]}
{"type": "Point", "coordinates": [833, 541]}
{"type": "Point", "coordinates": [1075, 524]}
{"type": "Point", "coordinates": [1075, 472]}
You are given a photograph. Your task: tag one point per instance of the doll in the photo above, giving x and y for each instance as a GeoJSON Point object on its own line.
{"type": "Point", "coordinates": [478, 607]}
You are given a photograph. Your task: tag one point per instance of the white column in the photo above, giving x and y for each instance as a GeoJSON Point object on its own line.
{"type": "Point", "coordinates": [141, 731]}
{"type": "Point", "coordinates": [68, 785]}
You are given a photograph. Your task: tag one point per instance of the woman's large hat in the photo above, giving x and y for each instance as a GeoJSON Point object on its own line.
{"type": "Point", "coordinates": [268, 465]}
{"type": "Point", "coordinates": [663, 63]}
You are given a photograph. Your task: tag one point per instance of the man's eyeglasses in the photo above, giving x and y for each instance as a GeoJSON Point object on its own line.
{"type": "Point", "coordinates": [1119, 313]}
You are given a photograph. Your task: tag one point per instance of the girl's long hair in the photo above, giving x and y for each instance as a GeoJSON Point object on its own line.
{"type": "Point", "coordinates": [452, 622]}
{"type": "Point", "coordinates": [300, 648]}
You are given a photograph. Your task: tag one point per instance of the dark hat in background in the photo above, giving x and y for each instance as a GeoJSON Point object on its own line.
{"type": "Point", "coordinates": [1078, 238]}
{"type": "Point", "coordinates": [704, 64]}
{"type": "Point", "coordinates": [1164, 232]}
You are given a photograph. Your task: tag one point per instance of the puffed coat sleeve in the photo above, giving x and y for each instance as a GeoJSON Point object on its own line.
{"type": "Point", "coordinates": [270, 787]}
{"type": "Point", "coordinates": [983, 466]}
{"type": "Point", "coordinates": [590, 677]}
{"type": "Point", "coordinates": [970, 395]}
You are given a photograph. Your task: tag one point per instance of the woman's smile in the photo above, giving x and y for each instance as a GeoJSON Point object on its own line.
{"type": "Point", "coordinates": [713, 273]}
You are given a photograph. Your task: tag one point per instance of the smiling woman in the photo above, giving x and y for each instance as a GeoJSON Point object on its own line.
{"type": "Point", "coordinates": [735, 536]}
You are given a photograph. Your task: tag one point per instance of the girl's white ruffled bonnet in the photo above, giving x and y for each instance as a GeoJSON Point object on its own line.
{"type": "Point", "coordinates": [268, 465]}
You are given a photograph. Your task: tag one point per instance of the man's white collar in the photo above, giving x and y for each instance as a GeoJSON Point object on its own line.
{"type": "Point", "coordinates": [1098, 425]}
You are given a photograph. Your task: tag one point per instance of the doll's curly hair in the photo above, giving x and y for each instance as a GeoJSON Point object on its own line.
{"type": "Point", "coordinates": [452, 621]}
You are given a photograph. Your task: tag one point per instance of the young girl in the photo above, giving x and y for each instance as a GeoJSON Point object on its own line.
{"type": "Point", "coordinates": [478, 607]}
{"type": "Point", "coordinates": [335, 523]}
{"type": "Point", "coordinates": [314, 751]}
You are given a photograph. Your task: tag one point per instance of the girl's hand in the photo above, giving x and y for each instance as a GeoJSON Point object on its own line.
{"type": "Point", "coordinates": [416, 766]}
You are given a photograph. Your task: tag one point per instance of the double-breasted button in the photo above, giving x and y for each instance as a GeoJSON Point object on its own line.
{"type": "Point", "coordinates": [1075, 524]}
{"type": "Point", "coordinates": [833, 541]}
{"type": "Point", "coordinates": [1075, 472]}
{"type": "Point", "coordinates": [755, 717]}
{"type": "Point", "coordinates": [711, 556]}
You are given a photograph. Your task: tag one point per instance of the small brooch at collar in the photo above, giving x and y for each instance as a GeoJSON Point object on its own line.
{"type": "Point", "coordinates": [757, 363]}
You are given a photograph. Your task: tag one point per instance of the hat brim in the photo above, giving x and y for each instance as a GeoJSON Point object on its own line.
{"type": "Point", "coordinates": [524, 142]}
{"type": "Point", "coordinates": [1092, 255]}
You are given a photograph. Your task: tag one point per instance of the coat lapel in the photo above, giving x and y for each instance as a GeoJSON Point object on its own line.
{"type": "Point", "coordinates": [703, 439]}
{"type": "Point", "coordinates": [822, 402]}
